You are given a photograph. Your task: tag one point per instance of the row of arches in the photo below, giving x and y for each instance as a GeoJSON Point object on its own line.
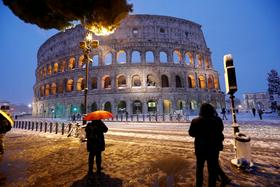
{"type": "Point", "coordinates": [121, 82]}
{"type": "Point", "coordinates": [121, 57]}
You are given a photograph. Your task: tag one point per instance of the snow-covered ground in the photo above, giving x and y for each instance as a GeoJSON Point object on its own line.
{"type": "Point", "coordinates": [137, 154]}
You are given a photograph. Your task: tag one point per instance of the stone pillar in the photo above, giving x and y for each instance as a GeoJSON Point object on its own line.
{"type": "Point", "coordinates": [160, 106]}
{"type": "Point", "coordinates": [145, 106]}
{"type": "Point", "coordinates": [128, 56]}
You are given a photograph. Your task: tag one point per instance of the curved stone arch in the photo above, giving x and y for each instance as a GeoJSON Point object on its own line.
{"type": "Point", "coordinates": [55, 67]}
{"type": "Point", "coordinates": [201, 82]}
{"type": "Point", "coordinates": [62, 66]}
{"type": "Point", "coordinates": [136, 57]}
{"type": "Point", "coordinates": [106, 82]}
{"type": "Point", "coordinates": [176, 56]}
{"type": "Point", "coordinates": [95, 60]}
{"type": "Point", "coordinates": [121, 106]}
{"type": "Point", "coordinates": [42, 91]}
{"type": "Point", "coordinates": [81, 61]}
{"type": "Point", "coordinates": [60, 87]}
{"type": "Point", "coordinates": [152, 105]}
{"type": "Point", "coordinates": [108, 58]}
{"type": "Point", "coordinates": [164, 81]}
{"type": "Point", "coordinates": [163, 57]}
{"type": "Point", "coordinates": [191, 81]}
{"type": "Point", "coordinates": [71, 64]}
{"type": "Point", "coordinates": [199, 60]}
{"type": "Point", "coordinates": [166, 106]}
{"type": "Point", "coordinates": [180, 104]}
{"type": "Point", "coordinates": [93, 107]}
{"type": "Point", "coordinates": [107, 106]}
{"type": "Point", "coordinates": [69, 85]}
{"type": "Point", "coordinates": [188, 58]}
{"type": "Point", "coordinates": [47, 90]}
{"type": "Point", "coordinates": [149, 57]}
{"type": "Point", "coordinates": [136, 81]}
{"type": "Point", "coordinates": [216, 83]}
{"type": "Point", "coordinates": [44, 72]}
{"type": "Point", "coordinates": [121, 57]}
{"type": "Point", "coordinates": [80, 84]}
{"type": "Point", "coordinates": [94, 81]}
{"type": "Point", "coordinates": [178, 81]}
{"type": "Point", "coordinates": [53, 88]}
{"type": "Point", "coordinates": [210, 81]}
{"type": "Point", "coordinates": [137, 107]}
{"type": "Point", "coordinates": [121, 81]}
{"type": "Point", "coordinates": [207, 62]}
{"type": "Point", "coordinates": [151, 80]}
{"type": "Point", "coordinates": [49, 69]}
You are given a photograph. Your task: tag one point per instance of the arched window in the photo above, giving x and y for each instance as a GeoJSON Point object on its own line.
{"type": "Point", "coordinates": [121, 57]}
{"type": "Point", "coordinates": [136, 58]}
{"type": "Point", "coordinates": [62, 66]}
{"type": "Point", "coordinates": [164, 81]}
{"type": "Point", "coordinates": [93, 106]}
{"type": "Point", "coordinates": [136, 82]}
{"type": "Point", "coordinates": [53, 88]}
{"type": "Point", "coordinates": [163, 57]}
{"type": "Point", "coordinates": [166, 106]}
{"type": "Point", "coordinates": [216, 83]}
{"type": "Point", "coordinates": [137, 107]}
{"type": "Point", "coordinates": [50, 69]}
{"type": "Point", "coordinates": [121, 107]}
{"type": "Point", "coordinates": [191, 81]}
{"type": "Point", "coordinates": [180, 105]}
{"type": "Point", "coordinates": [178, 82]}
{"type": "Point", "coordinates": [69, 85]}
{"type": "Point", "coordinates": [60, 87]}
{"type": "Point", "coordinates": [177, 57]}
{"type": "Point", "coordinates": [207, 64]}
{"type": "Point", "coordinates": [55, 67]}
{"type": "Point", "coordinates": [152, 106]}
{"type": "Point", "coordinates": [199, 61]}
{"type": "Point", "coordinates": [94, 83]}
{"type": "Point", "coordinates": [107, 82]}
{"type": "Point", "coordinates": [81, 61]}
{"type": "Point", "coordinates": [193, 105]}
{"type": "Point", "coordinates": [44, 71]}
{"type": "Point", "coordinates": [42, 91]}
{"type": "Point", "coordinates": [188, 58]}
{"type": "Point", "coordinates": [95, 60]}
{"type": "Point", "coordinates": [80, 84]}
{"type": "Point", "coordinates": [149, 57]}
{"type": "Point", "coordinates": [47, 90]}
{"type": "Point", "coordinates": [108, 106]}
{"type": "Point", "coordinates": [151, 80]}
{"type": "Point", "coordinates": [71, 63]}
{"type": "Point", "coordinates": [201, 82]}
{"type": "Point", "coordinates": [121, 81]}
{"type": "Point", "coordinates": [108, 59]}
{"type": "Point", "coordinates": [210, 82]}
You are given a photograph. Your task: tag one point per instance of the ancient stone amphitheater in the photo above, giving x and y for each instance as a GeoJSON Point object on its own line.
{"type": "Point", "coordinates": [151, 64]}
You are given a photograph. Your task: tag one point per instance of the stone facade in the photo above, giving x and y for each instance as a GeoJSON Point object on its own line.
{"type": "Point", "coordinates": [258, 100]}
{"type": "Point", "coordinates": [150, 64]}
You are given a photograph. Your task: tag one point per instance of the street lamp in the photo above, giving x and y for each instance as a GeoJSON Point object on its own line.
{"type": "Point", "coordinates": [87, 45]}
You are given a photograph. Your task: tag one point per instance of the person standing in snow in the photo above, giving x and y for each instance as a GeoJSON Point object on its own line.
{"type": "Point", "coordinates": [207, 131]}
{"type": "Point", "coordinates": [5, 126]}
{"type": "Point", "coordinates": [260, 112]}
{"type": "Point", "coordinates": [224, 113]}
{"type": "Point", "coordinates": [95, 144]}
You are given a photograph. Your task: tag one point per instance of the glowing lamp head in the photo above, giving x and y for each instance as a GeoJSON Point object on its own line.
{"type": "Point", "coordinates": [89, 36]}
{"type": "Point", "coordinates": [100, 30]}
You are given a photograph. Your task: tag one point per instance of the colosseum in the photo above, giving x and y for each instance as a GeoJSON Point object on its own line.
{"type": "Point", "coordinates": [150, 64]}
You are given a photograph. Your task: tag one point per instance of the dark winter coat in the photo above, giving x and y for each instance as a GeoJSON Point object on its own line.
{"type": "Point", "coordinates": [208, 133]}
{"type": "Point", "coordinates": [95, 136]}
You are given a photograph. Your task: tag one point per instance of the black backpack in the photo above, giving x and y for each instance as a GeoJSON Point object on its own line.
{"type": "Point", "coordinates": [5, 126]}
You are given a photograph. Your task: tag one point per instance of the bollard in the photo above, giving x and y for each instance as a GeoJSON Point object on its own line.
{"type": "Point", "coordinates": [62, 128]}
{"type": "Point", "coordinates": [36, 126]}
{"type": "Point", "coordinates": [51, 127]}
{"type": "Point", "coordinates": [56, 128]}
{"type": "Point", "coordinates": [32, 126]}
{"type": "Point", "coordinates": [41, 126]}
{"type": "Point", "coordinates": [46, 126]}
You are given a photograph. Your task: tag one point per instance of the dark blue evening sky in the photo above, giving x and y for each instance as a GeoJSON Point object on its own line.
{"type": "Point", "coordinates": [248, 29]}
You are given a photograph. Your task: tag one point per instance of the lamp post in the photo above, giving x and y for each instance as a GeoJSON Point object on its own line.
{"type": "Point", "coordinates": [87, 45]}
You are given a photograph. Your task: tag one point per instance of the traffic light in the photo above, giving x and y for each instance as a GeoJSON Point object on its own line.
{"type": "Point", "coordinates": [230, 76]}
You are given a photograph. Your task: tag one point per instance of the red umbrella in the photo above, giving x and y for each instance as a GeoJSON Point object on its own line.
{"type": "Point", "coordinates": [97, 115]}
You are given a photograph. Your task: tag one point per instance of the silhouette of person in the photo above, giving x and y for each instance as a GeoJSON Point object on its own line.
{"type": "Point", "coordinates": [95, 144]}
{"type": "Point", "coordinates": [224, 113]}
{"type": "Point", "coordinates": [260, 112]}
{"type": "Point", "coordinates": [207, 131]}
{"type": "Point", "coordinates": [254, 112]}
{"type": "Point", "coordinates": [5, 126]}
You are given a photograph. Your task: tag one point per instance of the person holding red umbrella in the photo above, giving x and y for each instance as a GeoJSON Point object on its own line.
{"type": "Point", "coordinates": [95, 144]}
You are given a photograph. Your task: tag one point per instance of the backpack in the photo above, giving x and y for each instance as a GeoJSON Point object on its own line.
{"type": "Point", "coordinates": [5, 126]}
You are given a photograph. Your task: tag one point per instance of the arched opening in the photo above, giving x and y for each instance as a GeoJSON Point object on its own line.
{"type": "Point", "coordinates": [201, 82]}
{"type": "Point", "coordinates": [121, 107]}
{"type": "Point", "coordinates": [62, 66]}
{"type": "Point", "coordinates": [216, 83]}
{"type": "Point", "coordinates": [166, 106]}
{"type": "Point", "coordinates": [95, 60]}
{"type": "Point", "coordinates": [55, 68]}
{"type": "Point", "coordinates": [152, 106]}
{"type": "Point", "coordinates": [47, 90]}
{"type": "Point", "coordinates": [60, 86]}
{"type": "Point", "coordinates": [121, 81]}
{"type": "Point", "coordinates": [180, 105]}
{"type": "Point", "coordinates": [164, 81]}
{"type": "Point", "coordinates": [178, 81]}
{"type": "Point", "coordinates": [69, 85]}
{"type": "Point", "coordinates": [163, 57]}
{"type": "Point", "coordinates": [108, 106]}
{"type": "Point", "coordinates": [93, 107]}
{"type": "Point", "coordinates": [177, 57]}
{"type": "Point", "coordinates": [137, 107]}
{"type": "Point", "coordinates": [207, 63]}
{"type": "Point", "coordinates": [81, 61]}
{"type": "Point", "coordinates": [71, 63]}
{"type": "Point", "coordinates": [136, 58]}
{"type": "Point", "coordinates": [188, 58]}
{"type": "Point", "coordinates": [149, 57]}
{"type": "Point", "coordinates": [193, 105]}
{"type": "Point", "coordinates": [210, 82]}
{"type": "Point", "coordinates": [94, 83]}
{"type": "Point", "coordinates": [53, 88]}
{"type": "Point", "coordinates": [44, 72]}
{"type": "Point", "coordinates": [121, 57]}
{"type": "Point", "coordinates": [151, 80]}
{"type": "Point", "coordinates": [42, 91]}
{"type": "Point", "coordinates": [191, 81]}
{"type": "Point", "coordinates": [199, 61]}
{"type": "Point", "coordinates": [50, 69]}
{"type": "Point", "coordinates": [108, 59]}
{"type": "Point", "coordinates": [136, 82]}
{"type": "Point", "coordinates": [107, 82]}
{"type": "Point", "coordinates": [80, 84]}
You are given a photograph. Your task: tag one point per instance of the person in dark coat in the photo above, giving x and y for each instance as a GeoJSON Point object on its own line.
{"type": "Point", "coordinates": [260, 112]}
{"type": "Point", "coordinates": [254, 112]}
{"type": "Point", "coordinates": [224, 113]}
{"type": "Point", "coordinates": [95, 144]}
{"type": "Point", "coordinates": [207, 130]}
